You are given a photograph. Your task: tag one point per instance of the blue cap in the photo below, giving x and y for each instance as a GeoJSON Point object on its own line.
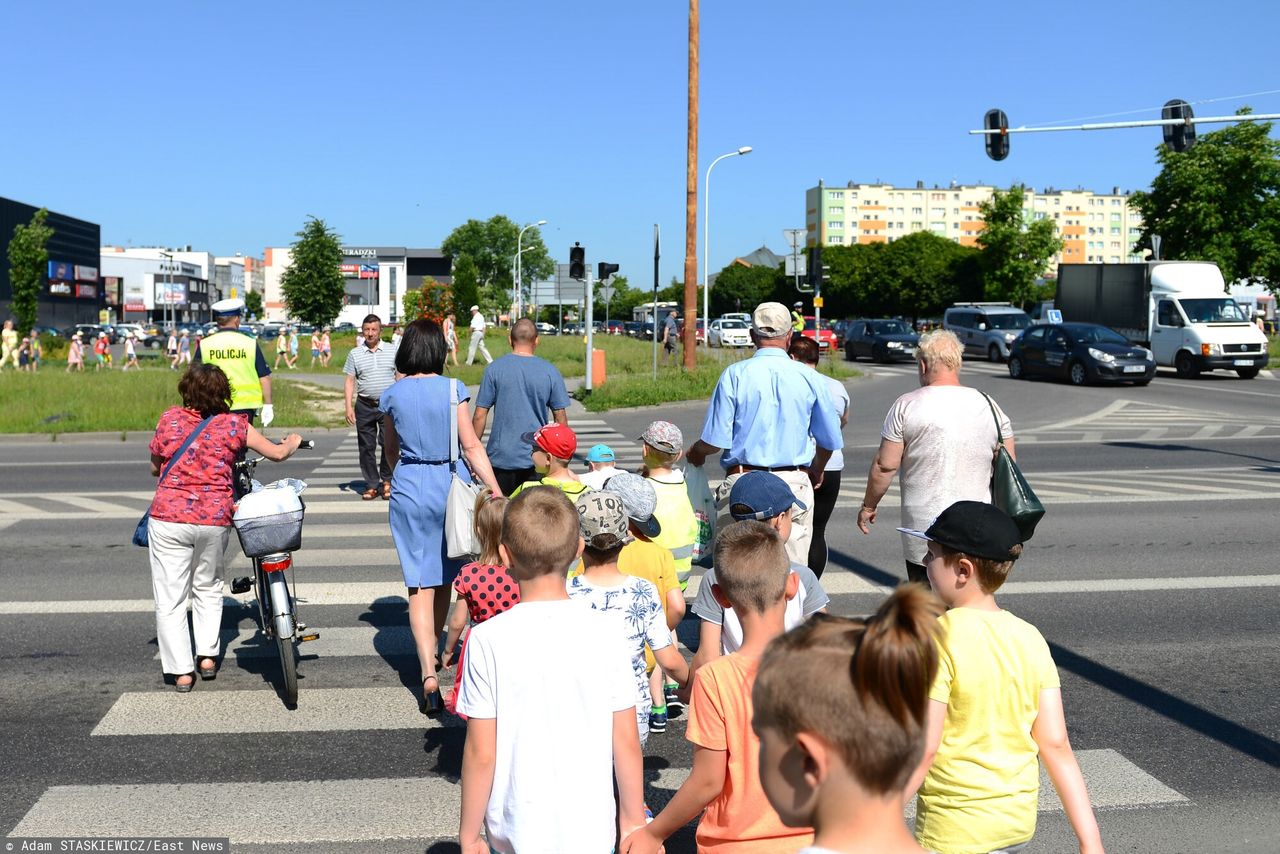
{"type": "Point", "coordinates": [600, 454]}
{"type": "Point", "coordinates": [761, 495]}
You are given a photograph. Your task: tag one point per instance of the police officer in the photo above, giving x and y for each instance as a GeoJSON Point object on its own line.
{"type": "Point", "coordinates": [238, 355]}
{"type": "Point", "coordinates": [797, 318]}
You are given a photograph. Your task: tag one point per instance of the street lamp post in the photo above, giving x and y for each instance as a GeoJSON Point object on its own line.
{"type": "Point", "coordinates": [520, 266]}
{"type": "Point", "coordinates": [168, 287]}
{"type": "Point", "coordinates": [706, 233]}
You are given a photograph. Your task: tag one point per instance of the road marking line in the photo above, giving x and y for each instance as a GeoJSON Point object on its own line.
{"type": "Point", "coordinates": [345, 642]}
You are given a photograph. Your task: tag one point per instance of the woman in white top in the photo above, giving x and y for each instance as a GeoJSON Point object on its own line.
{"type": "Point", "coordinates": [805, 351]}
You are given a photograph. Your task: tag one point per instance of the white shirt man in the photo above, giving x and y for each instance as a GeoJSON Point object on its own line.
{"type": "Point", "coordinates": [477, 337]}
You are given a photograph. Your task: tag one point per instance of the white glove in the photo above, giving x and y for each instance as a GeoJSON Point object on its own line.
{"type": "Point", "coordinates": [268, 415]}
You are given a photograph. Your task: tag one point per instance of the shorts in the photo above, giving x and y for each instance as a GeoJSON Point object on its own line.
{"type": "Point", "coordinates": [315, 354]}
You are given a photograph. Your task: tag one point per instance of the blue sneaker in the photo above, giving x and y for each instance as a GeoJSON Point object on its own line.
{"type": "Point", "coordinates": [674, 706]}
{"type": "Point", "coordinates": [658, 719]}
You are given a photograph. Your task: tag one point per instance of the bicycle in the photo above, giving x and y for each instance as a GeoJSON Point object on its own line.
{"type": "Point", "coordinates": [277, 603]}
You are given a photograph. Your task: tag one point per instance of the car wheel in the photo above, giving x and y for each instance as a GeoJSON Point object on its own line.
{"type": "Point", "coordinates": [993, 353]}
{"type": "Point", "coordinates": [1185, 367]}
{"type": "Point", "coordinates": [850, 354]}
{"type": "Point", "coordinates": [1077, 373]}
{"type": "Point", "coordinates": [1246, 373]}
{"type": "Point", "coordinates": [1015, 368]}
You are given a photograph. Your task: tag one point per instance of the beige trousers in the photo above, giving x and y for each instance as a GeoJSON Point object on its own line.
{"type": "Point", "coordinates": [186, 563]}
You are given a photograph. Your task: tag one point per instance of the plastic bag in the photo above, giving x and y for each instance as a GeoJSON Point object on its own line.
{"type": "Point", "coordinates": [704, 510]}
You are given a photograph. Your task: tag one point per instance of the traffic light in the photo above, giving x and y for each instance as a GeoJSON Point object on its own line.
{"type": "Point", "coordinates": [577, 262]}
{"type": "Point", "coordinates": [997, 143]}
{"type": "Point", "coordinates": [1178, 137]}
{"type": "Point", "coordinates": [605, 270]}
{"type": "Point", "coordinates": [814, 273]}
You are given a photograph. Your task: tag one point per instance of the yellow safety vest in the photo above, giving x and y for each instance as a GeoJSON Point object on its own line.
{"type": "Point", "coordinates": [797, 321]}
{"type": "Point", "coordinates": [237, 354]}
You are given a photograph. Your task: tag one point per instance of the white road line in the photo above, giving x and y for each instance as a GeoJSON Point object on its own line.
{"type": "Point", "coordinates": [345, 642]}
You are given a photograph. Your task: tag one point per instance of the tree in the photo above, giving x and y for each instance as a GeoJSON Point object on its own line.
{"type": "Point", "coordinates": [466, 289]}
{"type": "Point", "coordinates": [433, 301]}
{"type": "Point", "coordinates": [1219, 202]}
{"type": "Point", "coordinates": [741, 288]}
{"type": "Point", "coordinates": [313, 286]}
{"type": "Point", "coordinates": [28, 261]}
{"type": "Point", "coordinates": [491, 246]}
{"type": "Point", "coordinates": [1014, 252]}
{"type": "Point", "coordinates": [923, 270]}
{"type": "Point", "coordinates": [253, 303]}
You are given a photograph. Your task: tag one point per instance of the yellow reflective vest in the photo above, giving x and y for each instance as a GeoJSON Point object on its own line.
{"type": "Point", "coordinates": [237, 354]}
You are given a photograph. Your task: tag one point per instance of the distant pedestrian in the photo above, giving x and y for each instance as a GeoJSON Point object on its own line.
{"type": "Point", "coordinates": [326, 347]}
{"type": "Point", "coordinates": [762, 413]}
{"type": "Point", "coordinates": [315, 347]}
{"type": "Point", "coordinates": [601, 460]}
{"type": "Point", "coordinates": [188, 537]}
{"type": "Point", "coordinates": [396, 335]}
{"type": "Point", "coordinates": [478, 326]}
{"type": "Point", "coordinates": [370, 370]}
{"type": "Point", "coordinates": [8, 345]}
{"type": "Point", "coordinates": [24, 355]}
{"type": "Point", "coordinates": [293, 348]}
{"type": "Point", "coordinates": [184, 348]}
{"type": "Point", "coordinates": [670, 337]}
{"type": "Point", "coordinates": [171, 349]}
{"type": "Point", "coordinates": [75, 353]}
{"type": "Point", "coordinates": [101, 352]}
{"type": "Point", "coordinates": [797, 318]}
{"type": "Point", "coordinates": [37, 351]}
{"type": "Point", "coordinates": [417, 411]}
{"type": "Point", "coordinates": [524, 392]}
{"type": "Point", "coordinates": [942, 437]}
{"type": "Point", "coordinates": [805, 351]}
{"type": "Point", "coordinates": [282, 347]}
{"type": "Point", "coordinates": [130, 352]}
{"type": "Point", "coordinates": [451, 337]}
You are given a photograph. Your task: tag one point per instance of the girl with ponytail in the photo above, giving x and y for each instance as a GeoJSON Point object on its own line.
{"type": "Point", "coordinates": [840, 710]}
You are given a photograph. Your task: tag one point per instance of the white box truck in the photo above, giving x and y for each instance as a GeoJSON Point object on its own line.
{"type": "Point", "coordinates": [1179, 309]}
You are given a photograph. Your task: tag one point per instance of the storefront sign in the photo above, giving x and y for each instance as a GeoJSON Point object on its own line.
{"type": "Point", "coordinates": [359, 252]}
{"type": "Point", "coordinates": [87, 291]}
{"type": "Point", "coordinates": [61, 289]}
{"type": "Point", "coordinates": [368, 271]}
{"type": "Point", "coordinates": [350, 271]}
{"type": "Point", "coordinates": [61, 270]}
{"type": "Point", "coordinates": [172, 293]}
{"type": "Point", "coordinates": [86, 274]}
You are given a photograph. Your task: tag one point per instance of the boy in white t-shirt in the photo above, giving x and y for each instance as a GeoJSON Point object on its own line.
{"type": "Point", "coordinates": [543, 779]}
{"type": "Point", "coordinates": [763, 496]}
{"type": "Point", "coordinates": [601, 459]}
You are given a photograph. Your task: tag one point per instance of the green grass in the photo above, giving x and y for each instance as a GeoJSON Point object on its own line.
{"type": "Point", "coordinates": [1273, 348]}
{"type": "Point", "coordinates": [53, 401]}
{"type": "Point", "coordinates": [633, 387]}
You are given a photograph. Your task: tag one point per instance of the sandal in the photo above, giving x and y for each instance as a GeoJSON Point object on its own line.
{"type": "Point", "coordinates": [370, 493]}
{"type": "Point", "coordinates": [207, 673]}
{"type": "Point", "coordinates": [184, 687]}
{"type": "Point", "coordinates": [386, 491]}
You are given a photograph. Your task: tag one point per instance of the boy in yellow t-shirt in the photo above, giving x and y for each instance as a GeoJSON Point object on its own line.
{"type": "Point", "coordinates": [553, 447]}
{"type": "Point", "coordinates": [995, 705]}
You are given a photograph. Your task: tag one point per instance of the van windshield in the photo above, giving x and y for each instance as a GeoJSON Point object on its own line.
{"type": "Point", "coordinates": [1008, 321]}
{"type": "Point", "coordinates": [1212, 310]}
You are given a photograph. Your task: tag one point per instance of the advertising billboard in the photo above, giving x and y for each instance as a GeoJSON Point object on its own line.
{"type": "Point", "coordinates": [61, 270]}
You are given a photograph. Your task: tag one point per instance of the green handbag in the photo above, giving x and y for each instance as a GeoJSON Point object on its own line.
{"type": "Point", "coordinates": [1009, 489]}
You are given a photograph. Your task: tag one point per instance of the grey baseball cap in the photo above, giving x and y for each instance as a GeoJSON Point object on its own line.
{"type": "Point", "coordinates": [602, 517]}
{"type": "Point", "coordinates": [639, 498]}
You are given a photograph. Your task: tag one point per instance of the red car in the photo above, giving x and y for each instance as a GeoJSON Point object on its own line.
{"type": "Point", "coordinates": [825, 336]}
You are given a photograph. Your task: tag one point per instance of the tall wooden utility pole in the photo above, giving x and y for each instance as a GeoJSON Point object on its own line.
{"type": "Point", "coordinates": [691, 203]}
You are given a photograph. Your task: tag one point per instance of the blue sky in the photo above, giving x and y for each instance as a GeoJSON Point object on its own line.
{"type": "Point", "coordinates": [224, 124]}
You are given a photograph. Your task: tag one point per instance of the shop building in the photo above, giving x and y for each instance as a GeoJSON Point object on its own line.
{"type": "Point", "coordinates": [376, 279]}
{"type": "Point", "coordinates": [70, 290]}
{"type": "Point", "coordinates": [153, 285]}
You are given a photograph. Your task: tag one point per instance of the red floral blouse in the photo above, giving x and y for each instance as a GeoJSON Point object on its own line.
{"type": "Point", "coordinates": [197, 490]}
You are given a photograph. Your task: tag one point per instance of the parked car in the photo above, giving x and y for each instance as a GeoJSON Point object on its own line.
{"type": "Point", "coordinates": [986, 328]}
{"type": "Point", "coordinates": [86, 330]}
{"type": "Point", "coordinates": [825, 337]}
{"type": "Point", "coordinates": [1080, 353]}
{"type": "Point", "coordinates": [729, 332]}
{"type": "Point", "coordinates": [699, 334]}
{"type": "Point", "coordinates": [48, 330]}
{"type": "Point", "coordinates": [881, 340]}
{"type": "Point", "coordinates": [632, 328]}
{"type": "Point", "coordinates": [737, 315]}
{"type": "Point", "coordinates": [615, 327]}
{"type": "Point", "coordinates": [545, 328]}
{"type": "Point", "coordinates": [841, 329]}
{"type": "Point", "coordinates": [345, 326]}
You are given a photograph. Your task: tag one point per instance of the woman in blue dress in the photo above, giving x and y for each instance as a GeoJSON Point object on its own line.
{"type": "Point", "coordinates": [416, 411]}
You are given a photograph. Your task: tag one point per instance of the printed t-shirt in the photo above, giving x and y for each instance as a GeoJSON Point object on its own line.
{"type": "Point", "coordinates": [550, 729]}
{"type": "Point", "coordinates": [572, 489]}
{"type": "Point", "coordinates": [674, 513]}
{"type": "Point", "coordinates": [636, 602]}
{"type": "Point", "coordinates": [810, 598]}
{"type": "Point", "coordinates": [197, 490]}
{"type": "Point", "coordinates": [981, 791]}
{"type": "Point", "coordinates": [487, 589]}
{"type": "Point", "coordinates": [740, 819]}
{"type": "Point", "coordinates": [522, 392]}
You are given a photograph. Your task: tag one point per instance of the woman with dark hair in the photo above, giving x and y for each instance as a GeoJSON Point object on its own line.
{"type": "Point", "coordinates": [805, 351]}
{"type": "Point", "coordinates": [191, 517]}
{"type": "Point", "coordinates": [417, 410]}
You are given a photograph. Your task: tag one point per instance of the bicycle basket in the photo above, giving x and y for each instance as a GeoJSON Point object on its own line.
{"type": "Point", "coordinates": [264, 535]}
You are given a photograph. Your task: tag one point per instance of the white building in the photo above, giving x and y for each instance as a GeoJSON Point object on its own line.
{"type": "Point", "coordinates": [143, 278]}
{"type": "Point", "coordinates": [376, 279]}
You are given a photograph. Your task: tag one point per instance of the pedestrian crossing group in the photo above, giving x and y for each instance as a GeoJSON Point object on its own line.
{"type": "Point", "coordinates": [389, 813]}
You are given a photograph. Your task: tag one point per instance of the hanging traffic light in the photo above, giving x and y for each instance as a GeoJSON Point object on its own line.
{"type": "Point", "coordinates": [1178, 137]}
{"type": "Point", "coordinates": [577, 262]}
{"type": "Point", "coordinates": [997, 143]}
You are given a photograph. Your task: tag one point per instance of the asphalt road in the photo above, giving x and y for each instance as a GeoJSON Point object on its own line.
{"type": "Point", "coordinates": [1152, 577]}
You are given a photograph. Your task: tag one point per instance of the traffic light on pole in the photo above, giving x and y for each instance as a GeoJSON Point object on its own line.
{"type": "Point", "coordinates": [577, 262]}
{"type": "Point", "coordinates": [997, 143]}
{"type": "Point", "coordinates": [604, 270]}
{"type": "Point", "coordinates": [814, 273]}
{"type": "Point", "coordinates": [1178, 137]}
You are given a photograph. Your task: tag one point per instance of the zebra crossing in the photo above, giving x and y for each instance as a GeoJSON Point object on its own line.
{"type": "Point", "coordinates": [322, 808]}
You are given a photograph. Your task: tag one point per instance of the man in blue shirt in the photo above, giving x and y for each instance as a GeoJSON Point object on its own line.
{"type": "Point", "coordinates": [524, 388]}
{"type": "Point", "coordinates": [762, 413]}
{"type": "Point", "coordinates": [670, 336]}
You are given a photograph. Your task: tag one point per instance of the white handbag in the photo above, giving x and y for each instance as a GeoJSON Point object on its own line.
{"type": "Point", "coordinates": [460, 506]}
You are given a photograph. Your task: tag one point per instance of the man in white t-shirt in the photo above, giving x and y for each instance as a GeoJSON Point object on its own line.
{"type": "Point", "coordinates": [943, 438]}
{"type": "Point", "coordinates": [477, 337]}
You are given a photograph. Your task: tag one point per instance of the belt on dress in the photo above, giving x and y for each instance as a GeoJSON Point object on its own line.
{"type": "Point", "coordinates": [743, 467]}
{"type": "Point", "coordinates": [414, 461]}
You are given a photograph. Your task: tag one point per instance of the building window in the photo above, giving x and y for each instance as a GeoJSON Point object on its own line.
{"type": "Point", "coordinates": [937, 211]}
{"type": "Point", "coordinates": [915, 197]}
{"type": "Point", "coordinates": [835, 241]}
{"type": "Point", "coordinates": [835, 210]}
{"type": "Point", "coordinates": [835, 194]}
{"type": "Point", "coordinates": [916, 225]}
{"type": "Point", "coordinates": [835, 225]}
{"type": "Point", "coordinates": [937, 197]}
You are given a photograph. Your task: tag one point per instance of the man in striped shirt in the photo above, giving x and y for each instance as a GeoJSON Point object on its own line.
{"type": "Point", "coordinates": [370, 370]}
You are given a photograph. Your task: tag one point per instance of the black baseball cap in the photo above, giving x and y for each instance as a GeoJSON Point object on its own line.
{"type": "Point", "coordinates": [975, 528]}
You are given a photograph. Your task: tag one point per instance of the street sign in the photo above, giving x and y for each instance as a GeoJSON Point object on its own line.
{"type": "Point", "coordinates": [797, 265]}
{"type": "Point", "coordinates": [817, 302]}
{"type": "Point", "coordinates": [795, 237]}
{"type": "Point", "coordinates": [1053, 315]}
{"type": "Point", "coordinates": [605, 293]}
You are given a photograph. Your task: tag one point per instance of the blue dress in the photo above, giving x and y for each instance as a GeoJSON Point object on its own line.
{"type": "Point", "coordinates": [419, 407]}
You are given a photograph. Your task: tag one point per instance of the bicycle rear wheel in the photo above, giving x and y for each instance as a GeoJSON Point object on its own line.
{"type": "Point", "coordinates": [289, 667]}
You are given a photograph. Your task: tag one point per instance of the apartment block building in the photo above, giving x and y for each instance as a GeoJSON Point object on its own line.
{"type": "Point", "coordinates": [1094, 227]}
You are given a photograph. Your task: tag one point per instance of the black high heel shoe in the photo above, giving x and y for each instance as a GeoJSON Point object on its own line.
{"type": "Point", "coordinates": [432, 703]}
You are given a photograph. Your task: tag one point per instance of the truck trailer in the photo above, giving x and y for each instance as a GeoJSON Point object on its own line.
{"type": "Point", "coordinates": [1180, 310]}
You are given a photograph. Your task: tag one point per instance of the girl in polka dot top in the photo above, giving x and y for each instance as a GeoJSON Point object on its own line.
{"type": "Point", "coordinates": [484, 587]}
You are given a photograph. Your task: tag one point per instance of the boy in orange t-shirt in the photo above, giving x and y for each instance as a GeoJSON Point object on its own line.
{"type": "Point", "coordinates": [753, 576]}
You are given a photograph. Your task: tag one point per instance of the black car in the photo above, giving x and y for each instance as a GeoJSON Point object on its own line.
{"type": "Point", "coordinates": [1081, 353]}
{"type": "Point", "coordinates": [881, 340]}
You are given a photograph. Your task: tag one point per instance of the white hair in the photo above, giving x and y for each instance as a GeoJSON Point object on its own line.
{"type": "Point", "coordinates": [941, 349]}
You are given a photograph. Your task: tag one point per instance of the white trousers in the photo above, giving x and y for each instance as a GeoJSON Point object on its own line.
{"type": "Point", "coordinates": [477, 342]}
{"type": "Point", "coordinates": [186, 562]}
{"type": "Point", "coordinates": [801, 520]}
